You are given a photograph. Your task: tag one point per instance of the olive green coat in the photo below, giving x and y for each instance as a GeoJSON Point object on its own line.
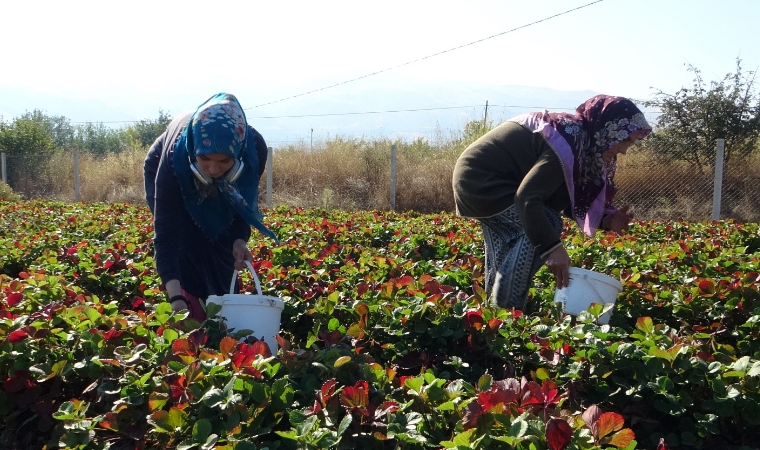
{"type": "Point", "coordinates": [510, 165]}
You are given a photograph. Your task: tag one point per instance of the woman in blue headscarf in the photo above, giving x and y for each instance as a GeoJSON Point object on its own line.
{"type": "Point", "coordinates": [201, 184]}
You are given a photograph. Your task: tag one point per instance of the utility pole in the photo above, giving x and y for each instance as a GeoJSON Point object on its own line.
{"type": "Point", "coordinates": [311, 142]}
{"type": "Point", "coordinates": [485, 116]}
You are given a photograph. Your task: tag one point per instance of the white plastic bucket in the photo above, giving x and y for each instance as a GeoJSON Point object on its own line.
{"type": "Point", "coordinates": [587, 287]}
{"type": "Point", "coordinates": [260, 313]}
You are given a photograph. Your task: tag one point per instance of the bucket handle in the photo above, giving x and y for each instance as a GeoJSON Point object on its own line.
{"type": "Point", "coordinates": [253, 273]}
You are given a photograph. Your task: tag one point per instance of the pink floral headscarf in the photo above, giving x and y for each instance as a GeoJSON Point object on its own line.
{"type": "Point", "coordinates": [579, 140]}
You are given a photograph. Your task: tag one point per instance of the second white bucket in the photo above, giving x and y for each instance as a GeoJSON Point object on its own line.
{"type": "Point", "coordinates": [260, 313]}
{"type": "Point", "coordinates": [587, 287]}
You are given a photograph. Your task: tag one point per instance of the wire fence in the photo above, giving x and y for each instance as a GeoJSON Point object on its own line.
{"type": "Point", "coordinates": [659, 180]}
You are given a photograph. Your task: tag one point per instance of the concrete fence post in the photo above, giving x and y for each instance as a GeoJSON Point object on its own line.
{"type": "Point", "coordinates": [720, 145]}
{"type": "Point", "coordinates": [77, 190]}
{"type": "Point", "coordinates": [270, 171]}
{"type": "Point", "coordinates": [393, 177]}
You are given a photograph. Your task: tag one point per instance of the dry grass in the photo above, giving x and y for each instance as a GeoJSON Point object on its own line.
{"type": "Point", "coordinates": [112, 178]}
{"type": "Point", "coordinates": [354, 174]}
{"type": "Point", "coordinates": [115, 178]}
{"type": "Point", "coordinates": [346, 174]}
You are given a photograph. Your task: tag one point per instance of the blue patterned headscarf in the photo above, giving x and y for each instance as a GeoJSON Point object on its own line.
{"type": "Point", "coordinates": [219, 126]}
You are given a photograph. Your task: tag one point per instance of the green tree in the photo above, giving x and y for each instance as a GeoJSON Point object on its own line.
{"type": "Point", "coordinates": [471, 132]}
{"type": "Point", "coordinates": [144, 132]}
{"type": "Point", "coordinates": [28, 134]}
{"type": "Point", "coordinates": [59, 128]}
{"type": "Point", "coordinates": [98, 139]}
{"type": "Point", "coordinates": [694, 118]}
{"type": "Point", "coordinates": [28, 143]}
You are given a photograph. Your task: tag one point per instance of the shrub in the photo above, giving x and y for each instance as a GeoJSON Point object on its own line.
{"type": "Point", "coordinates": [7, 194]}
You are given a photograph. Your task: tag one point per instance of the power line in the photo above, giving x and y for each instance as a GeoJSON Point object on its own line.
{"type": "Point", "coordinates": [386, 70]}
{"type": "Point", "coordinates": [406, 110]}
{"type": "Point", "coordinates": [427, 57]}
{"type": "Point", "coordinates": [356, 113]}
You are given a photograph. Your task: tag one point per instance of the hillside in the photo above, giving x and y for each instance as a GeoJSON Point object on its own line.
{"type": "Point", "coordinates": [356, 109]}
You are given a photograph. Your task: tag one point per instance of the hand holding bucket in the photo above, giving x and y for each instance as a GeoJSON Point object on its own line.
{"type": "Point", "coordinates": [587, 287]}
{"type": "Point", "coordinates": [257, 312]}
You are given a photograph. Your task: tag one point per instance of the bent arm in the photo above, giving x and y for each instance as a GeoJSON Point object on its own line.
{"type": "Point", "coordinates": [261, 149]}
{"type": "Point", "coordinates": [150, 169]}
{"type": "Point", "coordinates": [543, 181]}
{"type": "Point", "coordinates": [169, 217]}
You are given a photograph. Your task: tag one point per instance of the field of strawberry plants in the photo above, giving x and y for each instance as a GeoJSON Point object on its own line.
{"type": "Point", "coordinates": [386, 340]}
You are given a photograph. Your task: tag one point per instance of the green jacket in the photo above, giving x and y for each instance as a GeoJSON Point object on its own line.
{"type": "Point", "coordinates": [510, 165]}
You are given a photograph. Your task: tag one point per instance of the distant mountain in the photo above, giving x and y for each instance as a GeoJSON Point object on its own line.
{"type": "Point", "coordinates": [387, 105]}
{"type": "Point", "coordinates": [14, 102]}
{"type": "Point", "coordinates": [437, 105]}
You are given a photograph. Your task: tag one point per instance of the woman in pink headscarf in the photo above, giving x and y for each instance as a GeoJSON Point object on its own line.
{"type": "Point", "coordinates": [519, 178]}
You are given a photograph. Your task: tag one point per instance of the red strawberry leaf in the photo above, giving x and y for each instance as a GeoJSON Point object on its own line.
{"type": "Point", "coordinates": [356, 398]}
{"type": "Point", "coordinates": [110, 422]}
{"type": "Point", "coordinates": [227, 345]}
{"type": "Point", "coordinates": [473, 320]}
{"type": "Point", "coordinates": [312, 410]}
{"type": "Point", "coordinates": [494, 324]}
{"type": "Point", "coordinates": [14, 299]}
{"type": "Point", "coordinates": [472, 412]}
{"type": "Point", "coordinates": [385, 408]}
{"type": "Point", "coordinates": [261, 348]}
{"type": "Point", "coordinates": [198, 337]}
{"type": "Point", "coordinates": [608, 423]}
{"type": "Point", "coordinates": [20, 380]}
{"type": "Point", "coordinates": [182, 347]}
{"type": "Point", "coordinates": [17, 336]}
{"type": "Point", "coordinates": [591, 415]}
{"type": "Point", "coordinates": [559, 433]}
{"type": "Point", "coordinates": [252, 371]}
{"type": "Point", "coordinates": [327, 390]}
{"type": "Point", "coordinates": [622, 438]}
{"type": "Point", "coordinates": [706, 288]}
{"type": "Point", "coordinates": [243, 357]}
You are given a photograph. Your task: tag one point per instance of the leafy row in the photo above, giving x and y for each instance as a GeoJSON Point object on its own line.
{"type": "Point", "coordinates": [386, 340]}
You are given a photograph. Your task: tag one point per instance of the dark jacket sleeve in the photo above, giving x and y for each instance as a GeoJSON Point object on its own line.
{"type": "Point", "coordinates": [169, 214]}
{"type": "Point", "coordinates": [150, 169]}
{"type": "Point", "coordinates": [239, 229]}
{"type": "Point", "coordinates": [545, 181]}
{"type": "Point", "coordinates": [261, 149]}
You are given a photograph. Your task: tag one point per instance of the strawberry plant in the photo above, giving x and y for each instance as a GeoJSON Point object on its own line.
{"type": "Point", "coordinates": [387, 340]}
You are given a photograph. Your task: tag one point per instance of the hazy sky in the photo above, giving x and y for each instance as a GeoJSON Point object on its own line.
{"type": "Point", "coordinates": [141, 51]}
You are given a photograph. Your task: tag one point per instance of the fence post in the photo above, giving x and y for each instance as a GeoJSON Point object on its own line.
{"type": "Point", "coordinates": [77, 192]}
{"type": "Point", "coordinates": [718, 186]}
{"type": "Point", "coordinates": [2, 163]}
{"type": "Point", "coordinates": [269, 177]}
{"type": "Point", "coordinates": [393, 177]}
